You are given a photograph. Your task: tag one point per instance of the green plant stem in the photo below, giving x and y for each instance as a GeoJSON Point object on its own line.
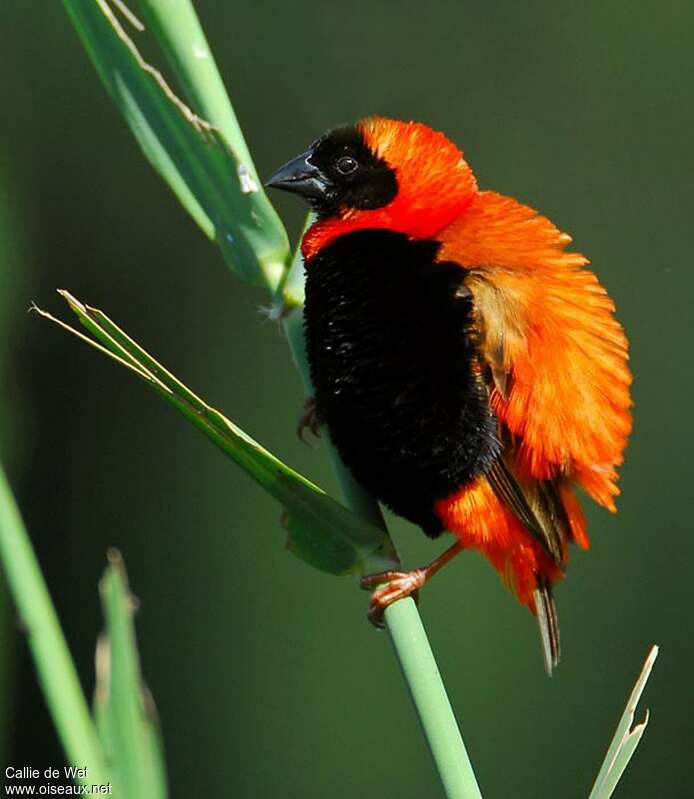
{"type": "Point", "coordinates": [433, 707]}
{"type": "Point", "coordinates": [54, 665]}
{"type": "Point", "coordinates": [401, 618]}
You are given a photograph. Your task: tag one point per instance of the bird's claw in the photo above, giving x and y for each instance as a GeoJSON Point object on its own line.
{"type": "Point", "coordinates": [389, 587]}
{"type": "Point", "coordinates": [309, 418]}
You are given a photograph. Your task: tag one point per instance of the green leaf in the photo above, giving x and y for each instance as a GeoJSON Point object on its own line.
{"type": "Point", "coordinates": [322, 531]}
{"type": "Point", "coordinates": [206, 163]}
{"type": "Point", "coordinates": [125, 713]}
{"type": "Point", "coordinates": [626, 737]}
{"type": "Point", "coordinates": [54, 666]}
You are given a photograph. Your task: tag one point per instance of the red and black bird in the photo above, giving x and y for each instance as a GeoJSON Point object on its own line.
{"type": "Point", "coordinates": [469, 369]}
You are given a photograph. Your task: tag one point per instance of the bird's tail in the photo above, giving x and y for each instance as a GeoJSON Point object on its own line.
{"type": "Point", "coordinates": [549, 623]}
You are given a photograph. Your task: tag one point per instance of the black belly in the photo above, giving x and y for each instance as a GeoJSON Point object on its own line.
{"type": "Point", "coordinates": [391, 362]}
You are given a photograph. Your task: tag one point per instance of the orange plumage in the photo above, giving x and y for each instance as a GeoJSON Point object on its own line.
{"type": "Point", "coordinates": [549, 352]}
{"type": "Point", "coordinates": [550, 334]}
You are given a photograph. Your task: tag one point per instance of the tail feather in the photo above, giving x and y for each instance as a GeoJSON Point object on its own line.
{"type": "Point", "coordinates": [549, 624]}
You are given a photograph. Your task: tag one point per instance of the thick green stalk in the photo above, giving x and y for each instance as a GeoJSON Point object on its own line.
{"type": "Point", "coordinates": [421, 673]}
{"type": "Point", "coordinates": [54, 665]}
{"type": "Point", "coordinates": [402, 618]}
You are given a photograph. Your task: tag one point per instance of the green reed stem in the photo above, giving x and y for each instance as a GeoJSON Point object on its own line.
{"type": "Point", "coordinates": [402, 618]}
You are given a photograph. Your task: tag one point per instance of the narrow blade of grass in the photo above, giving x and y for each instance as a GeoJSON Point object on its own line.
{"type": "Point", "coordinates": [206, 165]}
{"type": "Point", "coordinates": [56, 671]}
{"type": "Point", "coordinates": [123, 708]}
{"type": "Point", "coordinates": [626, 737]}
{"type": "Point", "coordinates": [322, 532]}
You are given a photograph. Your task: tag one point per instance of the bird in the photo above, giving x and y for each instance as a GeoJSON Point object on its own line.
{"type": "Point", "coordinates": [467, 366]}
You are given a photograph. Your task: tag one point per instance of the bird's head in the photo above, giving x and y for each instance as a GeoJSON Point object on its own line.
{"type": "Point", "coordinates": [380, 173]}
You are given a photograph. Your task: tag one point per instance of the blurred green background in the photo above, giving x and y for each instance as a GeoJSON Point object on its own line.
{"type": "Point", "coordinates": [267, 677]}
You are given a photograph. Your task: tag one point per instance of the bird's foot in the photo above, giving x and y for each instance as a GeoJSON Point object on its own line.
{"type": "Point", "coordinates": [308, 419]}
{"type": "Point", "coordinates": [393, 585]}
{"type": "Point", "coordinates": [389, 587]}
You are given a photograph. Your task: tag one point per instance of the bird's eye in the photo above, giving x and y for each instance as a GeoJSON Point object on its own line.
{"type": "Point", "coordinates": [346, 165]}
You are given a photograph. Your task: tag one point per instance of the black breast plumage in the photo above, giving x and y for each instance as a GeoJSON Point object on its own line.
{"type": "Point", "coordinates": [391, 362]}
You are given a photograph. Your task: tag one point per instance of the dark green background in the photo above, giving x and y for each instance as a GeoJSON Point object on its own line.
{"type": "Point", "coordinates": [268, 679]}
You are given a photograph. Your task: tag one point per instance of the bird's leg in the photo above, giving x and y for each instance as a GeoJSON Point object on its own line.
{"type": "Point", "coordinates": [393, 585]}
{"type": "Point", "coordinates": [309, 418]}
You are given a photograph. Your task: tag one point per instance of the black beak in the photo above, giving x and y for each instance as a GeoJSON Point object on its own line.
{"type": "Point", "coordinates": [300, 176]}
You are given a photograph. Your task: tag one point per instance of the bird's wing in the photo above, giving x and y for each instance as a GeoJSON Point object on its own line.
{"type": "Point", "coordinates": [555, 354]}
{"type": "Point", "coordinates": [537, 504]}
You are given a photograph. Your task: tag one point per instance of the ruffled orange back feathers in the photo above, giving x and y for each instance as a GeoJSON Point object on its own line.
{"type": "Point", "coordinates": [549, 324]}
